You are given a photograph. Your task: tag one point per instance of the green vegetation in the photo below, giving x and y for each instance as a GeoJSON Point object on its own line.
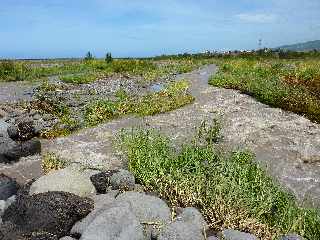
{"type": "Point", "coordinates": [108, 58]}
{"type": "Point", "coordinates": [174, 96]}
{"type": "Point", "coordinates": [292, 85]}
{"type": "Point", "coordinates": [51, 162]}
{"type": "Point", "coordinates": [10, 71]}
{"type": "Point", "coordinates": [231, 192]}
{"type": "Point", "coordinates": [81, 78]}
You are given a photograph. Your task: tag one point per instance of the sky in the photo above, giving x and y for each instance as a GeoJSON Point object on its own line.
{"type": "Point", "coordinates": [138, 28]}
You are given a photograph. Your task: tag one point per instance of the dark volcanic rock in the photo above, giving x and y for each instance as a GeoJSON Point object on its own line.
{"type": "Point", "coordinates": [52, 213]}
{"type": "Point", "coordinates": [12, 151]}
{"type": "Point", "coordinates": [102, 180]}
{"type": "Point", "coordinates": [23, 130]}
{"type": "Point", "coordinates": [8, 187]}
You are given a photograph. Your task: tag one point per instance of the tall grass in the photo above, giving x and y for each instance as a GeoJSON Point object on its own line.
{"type": "Point", "coordinates": [231, 192]}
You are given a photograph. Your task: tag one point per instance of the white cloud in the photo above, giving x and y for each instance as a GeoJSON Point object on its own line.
{"type": "Point", "coordinates": [256, 17]}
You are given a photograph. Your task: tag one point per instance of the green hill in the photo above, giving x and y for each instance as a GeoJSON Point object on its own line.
{"type": "Point", "coordinates": [302, 47]}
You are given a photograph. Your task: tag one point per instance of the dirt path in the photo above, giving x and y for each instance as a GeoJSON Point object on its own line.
{"type": "Point", "coordinates": [286, 144]}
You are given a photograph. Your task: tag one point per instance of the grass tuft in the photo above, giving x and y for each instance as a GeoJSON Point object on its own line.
{"type": "Point", "coordinates": [51, 162]}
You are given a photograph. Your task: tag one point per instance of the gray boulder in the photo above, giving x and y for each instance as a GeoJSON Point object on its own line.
{"type": "Point", "coordinates": [8, 187]}
{"type": "Point", "coordinates": [212, 238]}
{"type": "Point", "coordinates": [231, 234]}
{"type": "Point", "coordinates": [123, 179]}
{"type": "Point", "coordinates": [147, 208]}
{"type": "Point", "coordinates": [151, 211]}
{"type": "Point", "coordinates": [65, 180]}
{"type": "Point", "coordinates": [101, 203]}
{"type": "Point", "coordinates": [115, 223]}
{"type": "Point", "coordinates": [5, 204]}
{"type": "Point", "coordinates": [193, 216]}
{"type": "Point", "coordinates": [180, 230]}
{"type": "Point", "coordinates": [67, 238]}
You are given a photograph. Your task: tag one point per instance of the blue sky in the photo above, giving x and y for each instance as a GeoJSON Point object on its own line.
{"type": "Point", "coordinates": [70, 28]}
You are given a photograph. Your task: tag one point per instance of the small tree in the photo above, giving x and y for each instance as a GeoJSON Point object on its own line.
{"type": "Point", "coordinates": [88, 56]}
{"type": "Point", "coordinates": [108, 58]}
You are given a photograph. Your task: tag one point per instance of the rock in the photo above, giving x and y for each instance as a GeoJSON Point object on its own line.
{"type": "Point", "coordinates": [291, 237]}
{"type": "Point", "coordinates": [148, 209]}
{"type": "Point", "coordinates": [23, 130]}
{"type": "Point", "coordinates": [5, 204]}
{"type": "Point", "coordinates": [123, 180]}
{"type": "Point", "coordinates": [65, 180]}
{"type": "Point", "coordinates": [53, 212]}
{"type": "Point", "coordinates": [115, 223]}
{"type": "Point", "coordinates": [193, 216]}
{"type": "Point", "coordinates": [102, 180]}
{"type": "Point", "coordinates": [8, 187]}
{"type": "Point", "coordinates": [12, 151]}
{"type": "Point", "coordinates": [212, 238]}
{"type": "Point", "coordinates": [180, 230]}
{"type": "Point", "coordinates": [101, 202]}
{"type": "Point", "coordinates": [67, 238]}
{"type": "Point", "coordinates": [230, 234]}
{"type": "Point", "coordinates": [2, 207]}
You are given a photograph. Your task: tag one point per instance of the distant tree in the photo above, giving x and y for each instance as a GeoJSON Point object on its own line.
{"type": "Point", "coordinates": [108, 58]}
{"type": "Point", "coordinates": [88, 56]}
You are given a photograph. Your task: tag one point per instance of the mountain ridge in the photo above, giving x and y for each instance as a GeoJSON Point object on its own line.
{"type": "Point", "coordinates": [302, 47]}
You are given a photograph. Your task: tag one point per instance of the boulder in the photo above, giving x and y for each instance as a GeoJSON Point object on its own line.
{"type": "Point", "coordinates": [11, 151]}
{"type": "Point", "coordinates": [23, 130]}
{"type": "Point", "coordinates": [123, 180]}
{"type": "Point", "coordinates": [101, 181]}
{"type": "Point", "coordinates": [52, 213]}
{"type": "Point", "coordinates": [5, 204]}
{"type": "Point", "coordinates": [193, 216]}
{"type": "Point", "coordinates": [151, 211]}
{"type": "Point", "coordinates": [212, 238]}
{"type": "Point", "coordinates": [8, 187]}
{"type": "Point", "coordinates": [65, 180]}
{"type": "Point", "coordinates": [67, 238]}
{"type": "Point", "coordinates": [231, 234]}
{"type": "Point", "coordinates": [115, 223]}
{"type": "Point", "coordinates": [101, 203]}
{"type": "Point", "coordinates": [180, 230]}
{"type": "Point", "coordinates": [147, 208]}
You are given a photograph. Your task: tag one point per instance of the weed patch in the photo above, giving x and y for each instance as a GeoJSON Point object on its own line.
{"type": "Point", "coordinates": [174, 96]}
